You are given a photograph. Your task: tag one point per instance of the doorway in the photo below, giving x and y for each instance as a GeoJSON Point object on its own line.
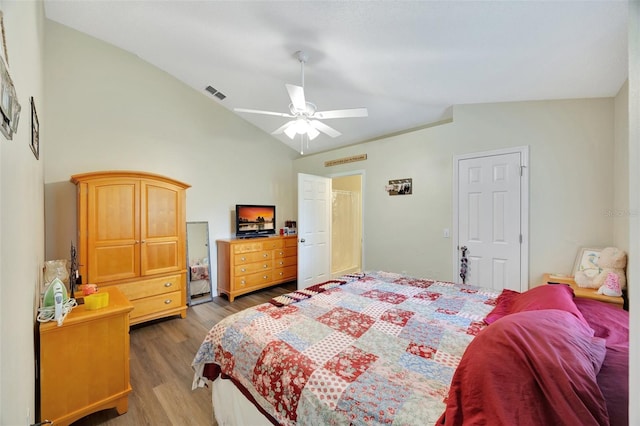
{"type": "Point", "coordinates": [491, 219]}
{"type": "Point", "coordinates": [346, 225]}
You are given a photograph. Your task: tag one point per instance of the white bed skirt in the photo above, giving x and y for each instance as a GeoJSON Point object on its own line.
{"type": "Point", "coordinates": [231, 407]}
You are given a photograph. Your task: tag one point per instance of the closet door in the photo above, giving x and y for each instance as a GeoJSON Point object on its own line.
{"type": "Point", "coordinates": [113, 229]}
{"type": "Point", "coordinates": [163, 228]}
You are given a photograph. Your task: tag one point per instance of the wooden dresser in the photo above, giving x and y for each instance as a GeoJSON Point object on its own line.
{"type": "Point", "coordinates": [246, 265]}
{"type": "Point", "coordinates": [132, 235]}
{"type": "Point", "coordinates": [84, 363]}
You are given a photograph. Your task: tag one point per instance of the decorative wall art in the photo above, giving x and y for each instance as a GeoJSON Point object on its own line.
{"type": "Point", "coordinates": [35, 131]}
{"type": "Point", "coordinates": [587, 261]}
{"type": "Point", "coordinates": [9, 106]}
{"type": "Point", "coordinates": [399, 186]}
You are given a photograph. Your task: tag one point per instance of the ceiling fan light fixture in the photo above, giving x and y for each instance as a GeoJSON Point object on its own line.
{"type": "Point", "coordinates": [312, 133]}
{"type": "Point", "coordinates": [290, 131]}
{"type": "Point", "coordinates": [301, 126]}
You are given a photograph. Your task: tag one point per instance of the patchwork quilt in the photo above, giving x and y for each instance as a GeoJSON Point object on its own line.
{"type": "Point", "coordinates": [379, 348]}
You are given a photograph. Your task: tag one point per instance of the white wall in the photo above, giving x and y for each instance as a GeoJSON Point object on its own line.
{"type": "Point", "coordinates": [21, 217]}
{"type": "Point", "coordinates": [634, 206]}
{"type": "Point", "coordinates": [108, 109]}
{"type": "Point", "coordinates": [620, 213]}
{"type": "Point", "coordinates": [571, 177]}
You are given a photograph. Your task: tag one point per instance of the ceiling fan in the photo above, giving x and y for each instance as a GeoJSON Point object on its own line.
{"type": "Point", "coordinates": [305, 118]}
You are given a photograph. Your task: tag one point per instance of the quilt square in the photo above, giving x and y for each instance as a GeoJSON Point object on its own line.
{"type": "Point", "coordinates": [347, 321]}
{"type": "Point", "coordinates": [449, 305]}
{"type": "Point", "coordinates": [326, 386]}
{"type": "Point", "coordinates": [275, 311]}
{"type": "Point", "coordinates": [279, 376]}
{"type": "Point", "coordinates": [385, 296]}
{"type": "Point", "coordinates": [424, 333]}
{"type": "Point", "coordinates": [428, 295]}
{"type": "Point", "coordinates": [423, 351]}
{"type": "Point", "coordinates": [350, 363]}
{"type": "Point", "coordinates": [324, 349]}
{"type": "Point", "coordinates": [397, 316]}
{"type": "Point", "coordinates": [373, 400]}
{"type": "Point", "coordinates": [414, 282]}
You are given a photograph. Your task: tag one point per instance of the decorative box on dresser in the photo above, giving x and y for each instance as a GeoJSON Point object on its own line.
{"type": "Point", "coordinates": [132, 235]}
{"type": "Point", "coordinates": [246, 265]}
{"type": "Point", "coordinates": [84, 363]}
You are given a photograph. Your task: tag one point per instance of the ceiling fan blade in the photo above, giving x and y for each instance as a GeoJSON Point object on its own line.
{"type": "Point", "coordinates": [258, 111]}
{"type": "Point", "coordinates": [282, 128]}
{"type": "Point", "coordinates": [319, 125]}
{"type": "Point", "coordinates": [296, 93]}
{"type": "Point", "coordinates": [342, 113]}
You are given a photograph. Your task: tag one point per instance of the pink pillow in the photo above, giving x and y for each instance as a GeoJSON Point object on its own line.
{"type": "Point", "coordinates": [552, 296]}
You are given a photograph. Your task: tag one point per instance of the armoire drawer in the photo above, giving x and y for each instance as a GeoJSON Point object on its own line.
{"type": "Point", "coordinates": [151, 287]}
{"type": "Point", "coordinates": [150, 305]}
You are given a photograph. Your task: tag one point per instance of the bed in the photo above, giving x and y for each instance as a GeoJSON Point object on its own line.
{"type": "Point", "coordinates": [383, 348]}
{"type": "Point", "coordinates": [199, 280]}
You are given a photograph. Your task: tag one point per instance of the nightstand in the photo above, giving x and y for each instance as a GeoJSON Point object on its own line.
{"type": "Point", "coordinates": [587, 293]}
{"type": "Point", "coordinates": [84, 363]}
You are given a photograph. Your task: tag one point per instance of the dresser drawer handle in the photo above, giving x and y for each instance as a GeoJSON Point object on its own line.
{"type": "Point", "coordinates": [281, 274]}
{"type": "Point", "coordinates": [281, 263]}
{"type": "Point", "coordinates": [169, 284]}
{"type": "Point", "coordinates": [243, 270]}
{"type": "Point", "coordinates": [243, 282]}
{"type": "Point", "coordinates": [243, 258]}
{"type": "Point", "coordinates": [265, 266]}
{"type": "Point", "coordinates": [265, 277]}
{"type": "Point", "coordinates": [265, 255]}
{"type": "Point", "coordinates": [281, 253]}
{"type": "Point", "coordinates": [168, 301]}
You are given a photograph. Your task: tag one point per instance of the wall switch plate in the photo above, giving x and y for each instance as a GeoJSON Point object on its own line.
{"type": "Point", "coordinates": [445, 233]}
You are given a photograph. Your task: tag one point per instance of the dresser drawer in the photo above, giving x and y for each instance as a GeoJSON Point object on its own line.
{"type": "Point", "coordinates": [252, 280]}
{"type": "Point", "coordinates": [285, 252]}
{"type": "Point", "coordinates": [247, 247]}
{"type": "Point", "coordinates": [151, 305]}
{"type": "Point", "coordinates": [251, 268]}
{"type": "Point", "coordinates": [285, 261]}
{"type": "Point", "coordinates": [272, 244]}
{"type": "Point", "coordinates": [284, 274]}
{"type": "Point", "coordinates": [151, 287]}
{"type": "Point", "coordinates": [291, 242]}
{"type": "Point", "coordinates": [243, 259]}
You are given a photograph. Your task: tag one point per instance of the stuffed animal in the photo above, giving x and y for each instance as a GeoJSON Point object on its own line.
{"type": "Point", "coordinates": [611, 260]}
{"type": "Point", "coordinates": [611, 286]}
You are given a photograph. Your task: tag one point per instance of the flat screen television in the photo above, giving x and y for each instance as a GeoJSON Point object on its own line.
{"type": "Point", "coordinates": [255, 220]}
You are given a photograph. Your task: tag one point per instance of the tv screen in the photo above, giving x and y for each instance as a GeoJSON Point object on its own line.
{"type": "Point", "coordinates": [255, 220]}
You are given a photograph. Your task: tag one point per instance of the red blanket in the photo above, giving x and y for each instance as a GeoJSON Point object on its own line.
{"type": "Point", "coordinates": [529, 368]}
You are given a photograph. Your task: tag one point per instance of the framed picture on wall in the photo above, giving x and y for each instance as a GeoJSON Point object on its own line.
{"type": "Point", "coordinates": [35, 131]}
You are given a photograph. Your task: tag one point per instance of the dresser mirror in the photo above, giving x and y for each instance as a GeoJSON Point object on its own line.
{"type": "Point", "coordinates": [198, 263]}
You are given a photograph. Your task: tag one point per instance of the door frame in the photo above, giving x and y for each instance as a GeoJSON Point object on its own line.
{"type": "Point", "coordinates": [363, 184]}
{"type": "Point", "coordinates": [524, 209]}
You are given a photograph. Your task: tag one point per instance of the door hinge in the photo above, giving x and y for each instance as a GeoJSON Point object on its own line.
{"type": "Point", "coordinates": [520, 238]}
{"type": "Point", "coordinates": [522, 167]}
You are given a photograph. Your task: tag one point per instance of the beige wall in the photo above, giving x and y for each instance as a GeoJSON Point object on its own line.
{"type": "Point", "coordinates": [620, 213]}
{"type": "Point", "coordinates": [634, 206]}
{"type": "Point", "coordinates": [21, 216]}
{"type": "Point", "coordinates": [108, 109]}
{"type": "Point", "coordinates": [571, 176]}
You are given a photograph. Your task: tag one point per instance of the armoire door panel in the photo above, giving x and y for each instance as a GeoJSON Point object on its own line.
{"type": "Point", "coordinates": [160, 257]}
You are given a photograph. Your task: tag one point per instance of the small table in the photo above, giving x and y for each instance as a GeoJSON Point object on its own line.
{"type": "Point", "coordinates": [587, 293]}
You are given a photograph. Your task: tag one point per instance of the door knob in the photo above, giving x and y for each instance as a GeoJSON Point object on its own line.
{"type": "Point", "coordinates": [302, 240]}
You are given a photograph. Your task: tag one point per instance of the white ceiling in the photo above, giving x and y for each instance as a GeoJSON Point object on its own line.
{"type": "Point", "coordinates": [408, 62]}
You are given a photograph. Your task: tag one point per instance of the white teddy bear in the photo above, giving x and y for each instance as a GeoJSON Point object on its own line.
{"type": "Point", "coordinates": [611, 260]}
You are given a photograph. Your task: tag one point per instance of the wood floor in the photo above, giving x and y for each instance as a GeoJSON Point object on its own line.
{"type": "Point", "coordinates": [161, 373]}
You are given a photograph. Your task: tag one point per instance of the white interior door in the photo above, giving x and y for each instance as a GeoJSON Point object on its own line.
{"type": "Point", "coordinates": [490, 220]}
{"type": "Point", "coordinates": [314, 230]}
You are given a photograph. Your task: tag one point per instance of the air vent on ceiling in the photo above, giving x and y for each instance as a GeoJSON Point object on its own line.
{"type": "Point", "coordinates": [215, 92]}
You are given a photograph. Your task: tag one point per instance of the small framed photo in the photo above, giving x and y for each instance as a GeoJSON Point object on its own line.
{"type": "Point", "coordinates": [35, 131]}
{"type": "Point", "coordinates": [587, 261]}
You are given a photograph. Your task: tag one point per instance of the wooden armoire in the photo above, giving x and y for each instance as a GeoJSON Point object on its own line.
{"type": "Point", "coordinates": [132, 234]}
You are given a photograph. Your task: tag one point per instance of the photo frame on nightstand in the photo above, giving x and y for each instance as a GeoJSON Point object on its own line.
{"type": "Point", "coordinates": [587, 261]}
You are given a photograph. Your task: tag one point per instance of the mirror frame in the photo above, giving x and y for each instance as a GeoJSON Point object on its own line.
{"type": "Point", "coordinates": [201, 299]}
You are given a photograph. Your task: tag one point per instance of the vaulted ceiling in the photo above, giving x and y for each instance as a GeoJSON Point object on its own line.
{"type": "Point", "coordinates": [407, 62]}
